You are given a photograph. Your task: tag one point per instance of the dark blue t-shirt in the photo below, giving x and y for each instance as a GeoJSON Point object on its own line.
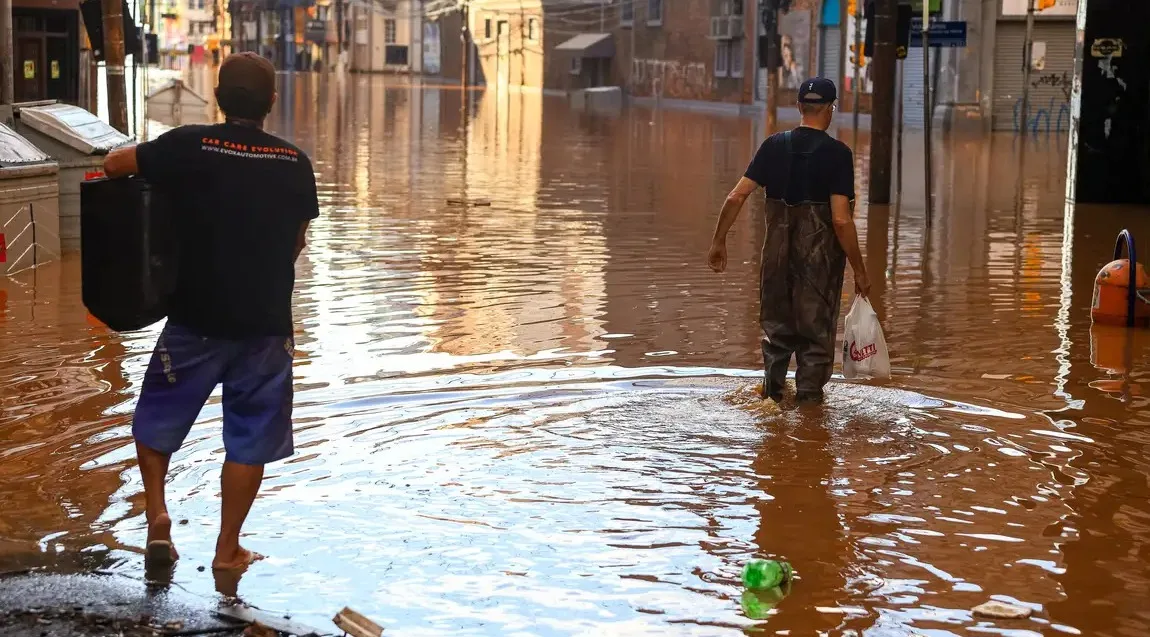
{"type": "Point", "coordinates": [243, 195]}
{"type": "Point", "coordinates": [825, 168]}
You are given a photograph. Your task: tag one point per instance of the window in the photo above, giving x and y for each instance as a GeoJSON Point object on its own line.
{"type": "Point", "coordinates": [532, 29]}
{"type": "Point", "coordinates": [576, 66]}
{"type": "Point", "coordinates": [487, 28]}
{"type": "Point", "coordinates": [389, 31]}
{"type": "Point", "coordinates": [627, 16]}
{"type": "Point", "coordinates": [729, 58]}
{"type": "Point", "coordinates": [395, 55]}
{"type": "Point", "coordinates": [736, 57]}
{"type": "Point", "coordinates": [722, 59]}
{"type": "Point", "coordinates": [654, 12]}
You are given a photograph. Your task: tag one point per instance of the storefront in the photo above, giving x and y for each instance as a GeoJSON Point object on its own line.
{"type": "Point", "coordinates": [1052, 66]}
{"type": "Point", "coordinates": [46, 50]}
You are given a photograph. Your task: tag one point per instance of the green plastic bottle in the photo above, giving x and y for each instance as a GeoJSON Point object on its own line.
{"type": "Point", "coordinates": [759, 604]}
{"type": "Point", "coordinates": [761, 575]}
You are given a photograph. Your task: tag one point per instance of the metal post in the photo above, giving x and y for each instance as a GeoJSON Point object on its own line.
{"type": "Point", "coordinates": [926, 107]}
{"type": "Point", "coordinates": [770, 19]}
{"type": "Point", "coordinates": [1027, 63]}
{"type": "Point", "coordinates": [855, 92]}
{"type": "Point", "coordinates": [882, 105]}
{"type": "Point", "coordinates": [114, 64]}
{"type": "Point", "coordinates": [338, 28]}
{"type": "Point", "coordinates": [465, 46]}
{"type": "Point", "coordinates": [900, 117]}
{"type": "Point", "coordinates": [6, 69]}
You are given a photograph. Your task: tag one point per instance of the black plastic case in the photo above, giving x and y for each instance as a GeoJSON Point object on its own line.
{"type": "Point", "coordinates": [129, 252]}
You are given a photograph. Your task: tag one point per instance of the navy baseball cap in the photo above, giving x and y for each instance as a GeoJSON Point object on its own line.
{"type": "Point", "coordinates": [817, 90]}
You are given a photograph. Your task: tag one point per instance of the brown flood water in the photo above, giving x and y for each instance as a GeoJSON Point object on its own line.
{"type": "Point", "coordinates": [516, 419]}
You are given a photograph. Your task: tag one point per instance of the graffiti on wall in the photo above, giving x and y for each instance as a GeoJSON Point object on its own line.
{"type": "Point", "coordinates": [670, 77]}
{"type": "Point", "coordinates": [1055, 116]}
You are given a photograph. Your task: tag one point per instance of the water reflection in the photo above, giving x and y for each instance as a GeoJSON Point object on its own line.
{"type": "Point", "coordinates": [511, 412]}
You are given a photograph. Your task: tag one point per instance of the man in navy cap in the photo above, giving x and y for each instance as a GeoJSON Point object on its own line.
{"type": "Point", "coordinates": [808, 177]}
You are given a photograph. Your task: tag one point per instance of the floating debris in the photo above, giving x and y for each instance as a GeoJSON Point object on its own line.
{"type": "Point", "coordinates": [356, 625]}
{"type": "Point", "coordinates": [1000, 610]}
{"type": "Point", "coordinates": [479, 203]}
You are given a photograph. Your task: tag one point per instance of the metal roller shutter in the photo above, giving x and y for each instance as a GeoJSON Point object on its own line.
{"type": "Point", "coordinates": [830, 60]}
{"type": "Point", "coordinates": [912, 92]}
{"type": "Point", "coordinates": [1049, 88]}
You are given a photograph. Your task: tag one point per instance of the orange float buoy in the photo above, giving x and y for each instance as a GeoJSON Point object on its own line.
{"type": "Point", "coordinates": [1118, 289]}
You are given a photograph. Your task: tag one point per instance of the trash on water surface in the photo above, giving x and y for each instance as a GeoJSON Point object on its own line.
{"type": "Point", "coordinates": [1000, 610]}
{"type": "Point", "coordinates": [456, 201]}
{"type": "Point", "coordinates": [766, 574]}
{"type": "Point", "coordinates": [760, 604]}
{"type": "Point", "coordinates": [356, 625]}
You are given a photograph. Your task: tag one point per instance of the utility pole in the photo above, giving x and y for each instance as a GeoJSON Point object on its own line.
{"type": "Point", "coordinates": [9, 73]}
{"type": "Point", "coordinates": [1027, 63]}
{"type": "Point", "coordinates": [882, 105]}
{"type": "Point", "coordinates": [114, 63]}
{"type": "Point", "coordinates": [770, 19]}
{"type": "Point", "coordinates": [338, 28]}
{"type": "Point", "coordinates": [926, 107]}
{"type": "Point", "coordinates": [465, 48]}
{"type": "Point", "coordinates": [856, 93]}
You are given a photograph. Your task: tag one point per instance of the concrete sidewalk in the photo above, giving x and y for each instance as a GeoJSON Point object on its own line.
{"type": "Point", "coordinates": [43, 605]}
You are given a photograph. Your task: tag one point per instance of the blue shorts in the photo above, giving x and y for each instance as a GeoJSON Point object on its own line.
{"type": "Point", "coordinates": [257, 378]}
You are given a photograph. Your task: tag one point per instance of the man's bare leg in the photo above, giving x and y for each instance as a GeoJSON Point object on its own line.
{"type": "Point", "coordinates": [154, 469]}
{"type": "Point", "coordinates": [240, 483]}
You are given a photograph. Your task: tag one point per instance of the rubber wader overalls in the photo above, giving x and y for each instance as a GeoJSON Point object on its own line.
{"type": "Point", "coordinates": [801, 283]}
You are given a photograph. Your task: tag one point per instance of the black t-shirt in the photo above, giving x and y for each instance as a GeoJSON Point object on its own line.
{"type": "Point", "coordinates": [242, 196]}
{"type": "Point", "coordinates": [822, 166]}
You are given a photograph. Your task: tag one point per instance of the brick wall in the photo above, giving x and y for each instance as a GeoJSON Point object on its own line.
{"type": "Point", "coordinates": [561, 22]}
{"type": "Point", "coordinates": [677, 57]}
{"type": "Point", "coordinates": [450, 47]}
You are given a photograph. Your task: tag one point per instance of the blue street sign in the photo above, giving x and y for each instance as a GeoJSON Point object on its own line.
{"type": "Point", "coordinates": [942, 34]}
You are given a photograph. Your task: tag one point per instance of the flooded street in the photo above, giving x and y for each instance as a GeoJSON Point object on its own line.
{"type": "Point", "coordinates": [526, 418]}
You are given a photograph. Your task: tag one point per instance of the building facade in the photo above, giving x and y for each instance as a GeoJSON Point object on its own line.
{"type": "Point", "coordinates": [46, 50]}
{"type": "Point", "coordinates": [712, 52]}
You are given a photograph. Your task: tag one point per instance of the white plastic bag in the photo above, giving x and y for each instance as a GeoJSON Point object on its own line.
{"type": "Point", "coordinates": [864, 349]}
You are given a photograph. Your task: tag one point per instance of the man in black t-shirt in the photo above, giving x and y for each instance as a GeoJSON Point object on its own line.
{"type": "Point", "coordinates": [808, 177]}
{"type": "Point", "coordinates": [245, 199]}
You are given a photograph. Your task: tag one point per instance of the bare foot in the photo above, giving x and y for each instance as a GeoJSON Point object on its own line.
{"type": "Point", "coordinates": [160, 548]}
{"type": "Point", "coordinates": [240, 558]}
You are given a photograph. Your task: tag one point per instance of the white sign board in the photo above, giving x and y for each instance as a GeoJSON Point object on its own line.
{"type": "Point", "coordinates": [1038, 56]}
{"type": "Point", "coordinates": [1064, 8]}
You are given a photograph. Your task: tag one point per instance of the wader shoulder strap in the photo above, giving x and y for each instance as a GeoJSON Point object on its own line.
{"type": "Point", "coordinates": [789, 163]}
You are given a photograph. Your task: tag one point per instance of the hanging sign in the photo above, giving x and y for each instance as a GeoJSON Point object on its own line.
{"type": "Point", "coordinates": [29, 69]}
{"type": "Point", "coordinates": [1107, 47]}
{"type": "Point", "coordinates": [55, 69]}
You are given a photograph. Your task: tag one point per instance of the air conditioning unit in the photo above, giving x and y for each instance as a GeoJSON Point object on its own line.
{"type": "Point", "coordinates": [735, 26]}
{"type": "Point", "coordinates": [721, 27]}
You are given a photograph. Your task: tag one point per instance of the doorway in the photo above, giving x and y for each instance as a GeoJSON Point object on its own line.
{"type": "Point", "coordinates": [30, 84]}
{"type": "Point", "coordinates": [46, 55]}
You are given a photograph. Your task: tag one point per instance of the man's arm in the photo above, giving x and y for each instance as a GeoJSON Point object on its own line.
{"type": "Point", "coordinates": [301, 239]}
{"type": "Point", "coordinates": [849, 240]}
{"type": "Point", "coordinates": [121, 162]}
{"type": "Point", "coordinates": [309, 199]}
{"type": "Point", "coordinates": [717, 257]}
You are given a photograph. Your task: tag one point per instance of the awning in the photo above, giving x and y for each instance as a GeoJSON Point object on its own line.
{"type": "Point", "coordinates": [590, 45]}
